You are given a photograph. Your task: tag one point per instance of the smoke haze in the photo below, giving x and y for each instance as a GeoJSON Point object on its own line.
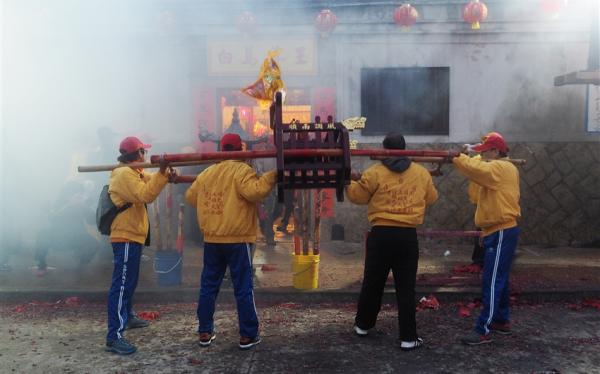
{"type": "Point", "coordinates": [77, 76]}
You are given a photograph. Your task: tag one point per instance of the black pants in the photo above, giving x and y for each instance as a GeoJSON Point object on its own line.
{"type": "Point", "coordinates": [395, 248]}
{"type": "Point", "coordinates": [287, 208]}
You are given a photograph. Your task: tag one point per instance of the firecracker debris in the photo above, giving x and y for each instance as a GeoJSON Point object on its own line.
{"type": "Point", "coordinates": [67, 336]}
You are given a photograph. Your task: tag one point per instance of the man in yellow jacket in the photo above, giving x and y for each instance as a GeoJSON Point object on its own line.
{"type": "Point", "coordinates": [225, 196]}
{"type": "Point", "coordinates": [397, 192]}
{"type": "Point", "coordinates": [129, 232]}
{"type": "Point", "coordinates": [496, 214]}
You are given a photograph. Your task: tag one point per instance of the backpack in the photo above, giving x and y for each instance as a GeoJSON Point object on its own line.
{"type": "Point", "coordinates": [106, 211]}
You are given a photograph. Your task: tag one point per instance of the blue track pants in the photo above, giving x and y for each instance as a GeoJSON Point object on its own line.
{"type": "Point", "coordinates": [499, 252]}
{"type": "Point", "coordinates": [124, 281]}
{"type": "Point", "coordinates": [217, 257]}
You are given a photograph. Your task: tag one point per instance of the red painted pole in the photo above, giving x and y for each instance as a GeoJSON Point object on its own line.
{"type": "Point", "coordinates": [183, 179]}
{"type": "Point", "coordinates": [430, 233]}
{"type": "Point", "coordinates": [320, 152]}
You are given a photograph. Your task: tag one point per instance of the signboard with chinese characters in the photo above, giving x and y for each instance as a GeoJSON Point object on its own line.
{"type": "Point", "coordinates": [244, 57]}
{"type": "Point", "coordinates": [593, 108]}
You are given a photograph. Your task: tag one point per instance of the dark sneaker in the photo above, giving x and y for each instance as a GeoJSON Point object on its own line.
{"type": "Point", "coordinates": [120, 346]}
{"type": "Point", "coordinates": [206, 338]}
{"type": "Point", "coordinates": [247, 343]}
{"type": "Point", "coordinates": [501, 328]}
{"type": "Point", "coordinates": [411, 346]}
{"type": "Point", "coordinates": [282, 228]}
{"type": "Point", "coordinates": [135, 322]}
{"type": "Point", "coordinates": [475, 338]}
{"type": "Point", "coordinates": [360, 332]}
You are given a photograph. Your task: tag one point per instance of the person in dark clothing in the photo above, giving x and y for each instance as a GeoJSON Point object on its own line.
{"type": "Point", "coordinates": [287, 208]}
{"type": "Point", "coordinates": [266, 219]}
{"type": "Point", "coordinates": [67, 228]}
{"type": "Point", "coordinates": [397, 192]}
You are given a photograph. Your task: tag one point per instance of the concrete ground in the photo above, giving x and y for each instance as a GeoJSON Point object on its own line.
{"type": "Point", "coordinates": [56, 323]}
{"type": "Point", "coordinates": [68, 337]}
{"type": "Point", "coordinates": [553, 269]}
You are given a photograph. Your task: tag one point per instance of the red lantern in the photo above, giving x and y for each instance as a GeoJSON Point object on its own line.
{"type": "Point", "coordinates": [405, 15]}
{"type": "Point", "coordinates": [325, 22]}
{"type": "Point", "coordinates": [246, 22]}
{"type": "Point", "coordinates": [475, 12]}
{"type": "Point", "coordinates": [553, 7]}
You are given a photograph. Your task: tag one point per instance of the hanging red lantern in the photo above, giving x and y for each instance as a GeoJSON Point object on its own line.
{"type": "Point", "coordinates": [475, 12]}
{"type": "Point", "coordinates": [553, 7]}
{"type": "Point", "coordinates": [246, 22]}
{"type": "Point", "coordinates": [406, 15]}
{"type": "Point", "coordinates": [325, 22]}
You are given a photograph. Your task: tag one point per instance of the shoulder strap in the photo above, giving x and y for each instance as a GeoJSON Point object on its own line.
{"type": "Point", "coordinates": [124, 207]}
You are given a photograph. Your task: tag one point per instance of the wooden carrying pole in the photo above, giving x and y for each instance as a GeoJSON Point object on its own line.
{"type": "Point", "coordinates": [436, 160]}
{"type": "Point", "coordinates": [306, 200]}
{"type": "Point", "coordinates": [136, 165]}
{"type": "Point", "coordinates": [190, 159]}
{"type": "Point", "coordinates": [310, 152]}
{"type": "Point", "coordinates": [317, 234]}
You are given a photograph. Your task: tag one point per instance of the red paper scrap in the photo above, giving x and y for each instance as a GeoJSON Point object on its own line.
{"type": "Point", "coordinates": [464, 311]}
{"type": "Point", "coordinates": [469, 269]}
{"type": "Point", "coordinates": [149, 316]}
{"type": "Point", "coordinates": [73, 301]}
{"type": "Point", "coordinates": [593, 303]}
{"type": "Point", "coordinates": [193, 361]}
{"type": "Point", "coordinates": [429, 302]}
{"type": "Point", "coordinates": [266, 267]}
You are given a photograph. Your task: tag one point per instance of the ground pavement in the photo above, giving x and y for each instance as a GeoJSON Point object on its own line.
{"type": "Point", "coordinates": [68, 337]}
{"type": "Point", "coordinates": [553, 270]}
{"type": "Point", "coordinates": [56, 323]}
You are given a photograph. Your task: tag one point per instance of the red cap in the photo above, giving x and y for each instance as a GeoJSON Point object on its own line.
{"type": "Point", "coordinates": [232, 140]}
{"type": "Point", "coordinates": [131, 144]}
{"type": "Point", "coordinates": [491, 140]}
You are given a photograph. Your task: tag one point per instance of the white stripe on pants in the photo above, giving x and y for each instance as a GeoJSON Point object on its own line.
{"type": "Point", "coordinates": [123, 279]}
{"type": "Point", "coordinates": [492, 285]}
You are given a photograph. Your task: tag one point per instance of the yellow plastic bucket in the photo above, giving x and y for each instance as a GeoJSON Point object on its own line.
{"type": "Point", "coordinates": [305, 269]}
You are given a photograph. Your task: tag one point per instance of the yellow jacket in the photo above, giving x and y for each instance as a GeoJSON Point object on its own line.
{"type": "Point", "coordinates": [128, 185]}
{"type": "Point", "coordinates": [225, 197]}
{"type": "Point", "coordinates": [498, 197]}
{"type": "Point", "coordinates": [473, 190]}
{"type": "Point", "coordinates": [394, 198]}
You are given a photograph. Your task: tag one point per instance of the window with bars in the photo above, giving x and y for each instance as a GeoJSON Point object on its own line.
{"type": "Point", "coordinates": [411, 100]}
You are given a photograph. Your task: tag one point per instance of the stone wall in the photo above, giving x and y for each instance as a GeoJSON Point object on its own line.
{"type": "Point", "coordinates": [560, 196]}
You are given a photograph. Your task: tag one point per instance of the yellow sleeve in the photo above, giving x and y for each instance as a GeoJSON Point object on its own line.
{"type": "Point", "coordinates": [191, 194]}
{"type": "Point", "coordinates": [431, 195]}
{"type": "Point", "coordinates": [361, 191]}
{"type": "Point", "coordinates": [252, 187]}
{"type": "Point", "coordinates": [133, 189]}
{"type": "Point", "coordinates": [478, 171]}
{"type": "Point", "coordinates": [473, 192]}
